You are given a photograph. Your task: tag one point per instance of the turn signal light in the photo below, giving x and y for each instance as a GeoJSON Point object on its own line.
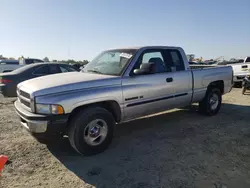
{"type": "Point", "coordinates": [57, 109]}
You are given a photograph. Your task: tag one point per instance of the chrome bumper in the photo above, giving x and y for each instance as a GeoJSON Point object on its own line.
{"type": "Point", "coordinates": [34, 126]}
{"type": "Point", "coordinates": [41, 124]}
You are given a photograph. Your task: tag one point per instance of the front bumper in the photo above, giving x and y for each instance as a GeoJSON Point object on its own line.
{"type": "Point", "coordinates": [41, 124]}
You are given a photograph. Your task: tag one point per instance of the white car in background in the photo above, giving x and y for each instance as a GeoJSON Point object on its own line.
{"type": "Point", "coordinates": [241, 70]}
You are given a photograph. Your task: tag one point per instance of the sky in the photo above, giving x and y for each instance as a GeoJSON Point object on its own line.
{"type": "Point", "coordinates": [81, 29]}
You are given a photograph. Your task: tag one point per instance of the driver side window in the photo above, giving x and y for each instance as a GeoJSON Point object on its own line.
{"type": "Point", "coordinates": [153, 56]}
{"type": "Point", "coordinates": [147, 56]}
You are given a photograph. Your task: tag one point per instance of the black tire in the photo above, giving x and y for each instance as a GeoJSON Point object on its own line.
{"type": "Point", "coordinates": [205, 105]}
{"type": "Point", "coordinates": [77, 130]}
{"type": "Point", "coordinates": [243, 90]}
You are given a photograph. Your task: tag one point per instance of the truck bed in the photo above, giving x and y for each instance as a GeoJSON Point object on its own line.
{"type": "Point", "coordinates": [204, 75]}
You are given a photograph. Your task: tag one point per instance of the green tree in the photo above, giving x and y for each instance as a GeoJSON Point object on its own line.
{"type": "Point", "coordinates": [85, 62]}
{"type": "Point", "coordinates": [46, 59]}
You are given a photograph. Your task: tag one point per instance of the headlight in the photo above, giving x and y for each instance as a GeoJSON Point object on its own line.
{"type": "Point", "coordinates": [49, 109]}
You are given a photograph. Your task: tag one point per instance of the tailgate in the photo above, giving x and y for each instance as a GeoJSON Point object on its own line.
{"type": "Point", "coordinates": [241, 70]}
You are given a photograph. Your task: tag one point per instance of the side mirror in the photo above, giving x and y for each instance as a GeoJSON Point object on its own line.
{"type": "Point", "coordinates": [145, 68]}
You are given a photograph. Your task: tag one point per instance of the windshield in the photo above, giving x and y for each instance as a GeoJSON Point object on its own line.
{"type": "Point", "coordinates": [111, 62]}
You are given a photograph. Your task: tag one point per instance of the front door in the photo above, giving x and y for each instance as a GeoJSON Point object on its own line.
{"type": "Point", "coordinates": [169, 86]}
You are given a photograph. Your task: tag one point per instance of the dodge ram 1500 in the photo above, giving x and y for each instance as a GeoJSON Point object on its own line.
{"type": "Point", "coordinates": [118, 85]}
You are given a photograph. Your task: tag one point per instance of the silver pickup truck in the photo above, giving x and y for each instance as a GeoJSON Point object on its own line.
{"type": "Point", "coordinates": [118, 85]}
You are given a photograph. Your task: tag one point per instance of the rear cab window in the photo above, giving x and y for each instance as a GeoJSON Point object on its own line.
{"type": "Point", "coordinates": [177, 63]}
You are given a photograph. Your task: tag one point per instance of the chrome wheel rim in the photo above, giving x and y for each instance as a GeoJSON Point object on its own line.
{"type": "Point", "coordinates": [95, 132]}
{"type": "Point", "coordinates": [214, 101]}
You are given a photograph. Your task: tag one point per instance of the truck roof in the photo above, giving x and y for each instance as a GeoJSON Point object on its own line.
{"type": "Point", "coordinates": [140, 47]}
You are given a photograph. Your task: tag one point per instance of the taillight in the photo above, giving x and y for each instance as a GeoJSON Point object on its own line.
{"type": "Point", "coordinates": [5, 81]}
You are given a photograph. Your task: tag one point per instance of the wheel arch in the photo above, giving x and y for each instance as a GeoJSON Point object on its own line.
{"type": "Point", "coordinates": [219, 84]}
{"type": "Point", "coordinates": [110, 105]}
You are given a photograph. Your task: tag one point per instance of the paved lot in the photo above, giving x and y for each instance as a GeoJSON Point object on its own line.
{"type": "Point", "coordinates": [177, 149]}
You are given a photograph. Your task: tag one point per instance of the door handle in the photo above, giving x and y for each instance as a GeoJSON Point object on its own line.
{"type": "Point", "coordinates": [169, 80]}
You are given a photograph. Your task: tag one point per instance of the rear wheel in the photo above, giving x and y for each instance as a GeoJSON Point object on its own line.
{"type": "Point", "coordinates": [91, 130]}
{"type": "Point", "coordinates": [211, 104]}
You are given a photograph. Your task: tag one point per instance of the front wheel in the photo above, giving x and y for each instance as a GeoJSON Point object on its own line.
{"type": "Point", "coordinates": [91, 130]}
{"type": "Point", "coordinates": [211, 104]}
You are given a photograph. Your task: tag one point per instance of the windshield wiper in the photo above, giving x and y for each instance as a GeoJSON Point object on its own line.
{"type": "Point", "coordinates": [95, 71]}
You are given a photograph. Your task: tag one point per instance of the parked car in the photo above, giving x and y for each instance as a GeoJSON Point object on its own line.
{"type": "Point", "coordinates": [9, 81]}
{"type": "Point", "coordinates": [8, 67]}
{"type": "Point", "coordinates": [119, 85]}
{"type": "Point", "coordinates": [9, 62]}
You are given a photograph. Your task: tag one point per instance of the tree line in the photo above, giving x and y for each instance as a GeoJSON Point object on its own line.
{"type": "Point", "coordinates": [46, 59]}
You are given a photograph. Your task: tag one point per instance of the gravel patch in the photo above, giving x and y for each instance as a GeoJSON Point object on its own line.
{"type": "Point", "coordinates": [177, 149]}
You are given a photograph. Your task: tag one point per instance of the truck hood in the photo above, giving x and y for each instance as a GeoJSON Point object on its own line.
{"type": "Point", "coordinates": [63, 82]}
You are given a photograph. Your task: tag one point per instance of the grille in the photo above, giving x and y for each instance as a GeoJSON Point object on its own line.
{"type": "Point", "coordinates": [26, 103]}
{"type": "Point", "coordinates": [24, 94]}
{"type": "Point", "coordinates": [24, 98]}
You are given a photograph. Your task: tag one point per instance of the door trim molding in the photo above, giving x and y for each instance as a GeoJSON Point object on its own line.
{"type": "Point", "coordinates": [157, 99]}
